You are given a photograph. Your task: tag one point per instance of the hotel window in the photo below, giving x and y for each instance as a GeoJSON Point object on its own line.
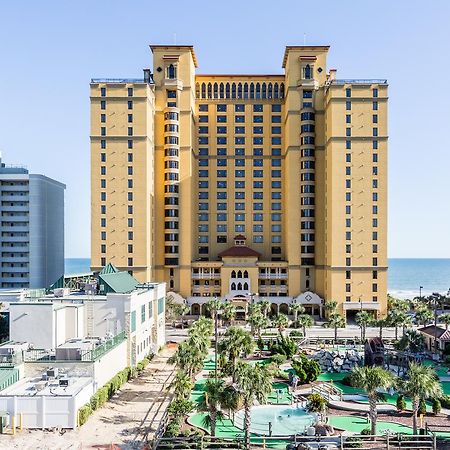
{"type": "Point", "coordinates": [257, 217]}
{"type": "Point", "coordinates": [348, 275]}
{"type": "Point", "coordinates": [348, 92]}
{"type": "Point", "coordinates": [375, 144]}
{"type": "Point", "coordinates": [130, 92]}
{"type": "Point", "coordinates": [348, 106]}
{"type": "Point", "coordinates": [239, 206]}
{"type": "Point", "coordinates": [221, 228]}
{"type": "Point", "coordinates": [348, 209]}
{"type": "Point", "coordinates": [275, 217]}
{"type": "Point", "coordinates": [238, 195]}
{"type": "Point", "coordinates": [221, 217]}
{"type": "Point", "coordinates": [130, 104]}
{"type": "Point", "coordinates": [222, 195]}
{"type": "Point", "coordinates": [257, 206]}
{"type": "Point", "coordinates": [257, 130]}
{"type": "Point", "coordinates": [103, 118]}
{"type": "Point", "coordinates": [348, 157]}
{"type": "Point", "coordinates": [221, 239]}
{"type": "Point", "coordinates": [374, 209]}
{"type": "Point", "coordinates": [347, 287]}
{"type": "Point", "coordinates": [221, 185]}
{"type": "Point", "coordinates": [171, 94]}
{"type": "Point", "coordinates": [203, 108]}
{"type": "Point", "coordinates": [103, 131]}
{"type": "Point", "coordinates": [348, 248]}
{"type": "Point", "coordinates": [348, 131]}
{"type": "Point", "coordinates": [257, 228]}
{"type": "Point", "coordinates": [201, 151]}
{"type": "Point", "coordinates": [374, 248]}
{"type": "Point", "coordinates": [375, 235]}
{"type": "Point", "coordinates": [203, 130]}
{"type": "Point", "coordinates": [205, 206]}
{"type": "Point", "coordinates": [103, 223]}
{"type": "Point", "coordinates": [221, 206]}
{"type": "Point", "coordinates": [221, 130]}
{"type": "Point", "coordinates": [277, 140]}
{"type": "Point", "coordinates": [203, 239]}
{"type": "Point", "coordinates": [103, 184]}
{"type": "Point", "coordinates": [348, 171]}
{"type": "Point", "coordinates": [204, 162]}
{"type": "Point", "coordinates": [348, 145]}
{"type": "Point", "coordinates": [130, 209]}
{"type": "Point", "coordinates": [348, 184]}
{"type": "Point", "coordinates": [258, 173]}
{"type": "Point", "coordinates": [103, 235]}
{"type": "Point", "coordinates": [348, 299]}
{"type": "Point", "coordinates": [257, 108]}
{"type": "Point", "coordinates": [240, 217]}
{"type": "Point", "coordinates": [130, 184]}
{"type": "Point", "coordinates": [239, 228]}
{"type": "Point", "coordinates": [375, 105]}
{"type": "Point", "coordinates": [348, 235]}
{"type": "Point", "coordinates": [258, 119]}
{"type": "Point", "coordinates": [239, 162]}
{"type": "Point", "coordinates": [375, 274]}
{"type": "Point", "coordinates": [239, 184]}
{"type": "Point", "coordinates": [258, 184]}
{"type": "Point", "coordinates": [276, 119]}
{"type": "Point", "coordinates": [130, 118]}
{"type": "Point", "coordinates": [348, 262]}
{"type": "Point", "coordinates": [374, 196]}
{"type": "Point", "coordinates": [239, 130]}
{"type": "Point", "coordinates": [375, 92]}
{"type": "Point", "coordinates": [239, 108]}
{"type": "Point", "coordinates": [221, 173]}
{"type": "Point", "coordinates": [203, 173]}
{"type": "Point", "coordinates": [375, 118]}
{"type": "Point", "coordinates": [203, 184]}
{"type": "Point", "coordinates": [374, 262]}
{"type": "Point", "coordinates": [203, 119]}
{"type": "Point", "coordinates": [103, 143]}
{"type": "Point", "coordinates": [374, 287]}
{"type": "Point", "coordinates": [103, 170]}
{"type": "Point", "coordinates": [375, 132]}
{"type": "Point", "coordinates": [374, 171]}
{"type": "Point", "coordinates": [203, 217]}
{"type": "Point", "coordinates": [307, 94]}
{"type": "Point", "coordinates": [258, 239]}
{"type": "Point", "coordinates": [130, 223]}
{"type": "Point", "coordinates": [258, 162]}
{"type": "Point", "coordinates": [276, 108]}
{"type": "Point", "coordinates": [257, 152]}
{"type": "Point", "coordinates": [103, 248]}
{"type": "Point", "coordinates": [257, 195]}
{"type": "Point", "coordinates": [348, 223]}
{"type": "Point", "coordinates": [102, 209]}
{"type": "Point", "coordinates": [221, 108]}
{"type": "Point", "coordinates": [375, 223]}
{"type": "Point", "coordinates": [375, 158]}
{"type": "Point", "coordinates": [130, 235]}
{"type": "Point", "coordinates": [239, 119]}
{"type": "Point", "coordinates": [276, 195]}
{"type": "Point", "coordinates": [276, 206]}
{"type": "Point", "coordinates": [277, 130]}
{"type": "Point", "coordinates": [103, 157]}
{"type": "Point", "coordinates": [130, 262]}
{"type": "Point", "coordinates": [203, 195]}
{"type": "Point", "coordinates": [348, 118]}
{"type": "Point", "coordinates": [130, 170]}
{"type": "Point", "coordinates": [348, 196]}
{"type": "Point", "coordinates": [239, 173]}
{"type": "Point", "coordinates": [276, 173]}
{"type": "Point", "coordinates": [130, 248]}
{"type": "Point", "coordinates": [103, 196]}
{"type": "Point", "coordinates": [239, 140]}
{"type": "Point", "coordinates": [103, 92]}
{"type": "Point", "coordinates": [103, 104]}
{"type": "Point", "coordinates": [276, 152]}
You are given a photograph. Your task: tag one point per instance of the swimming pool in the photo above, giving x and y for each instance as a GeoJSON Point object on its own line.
{"type": "Point", "coordinates": [284, 420]}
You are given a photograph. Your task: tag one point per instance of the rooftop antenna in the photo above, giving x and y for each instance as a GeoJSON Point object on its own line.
{"type": "Point", "coordinates": [304, 38]}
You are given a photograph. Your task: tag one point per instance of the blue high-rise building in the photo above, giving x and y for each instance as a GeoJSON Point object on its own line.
{"type": "Point", "coordinates": [32, 228]}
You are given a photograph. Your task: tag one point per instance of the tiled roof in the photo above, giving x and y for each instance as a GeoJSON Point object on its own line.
{"type": "Point", "coordinates": [440, 333]}
{"type": "Point", "coordinates": [119, 282]}
{"type": "Point", "coordinates": [240, 250]}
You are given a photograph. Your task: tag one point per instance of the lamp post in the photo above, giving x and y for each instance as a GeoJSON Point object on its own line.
{"type": "Point", "coordinates": [420, 293]}
{"type": "Point", "coordinates": [216, 339]}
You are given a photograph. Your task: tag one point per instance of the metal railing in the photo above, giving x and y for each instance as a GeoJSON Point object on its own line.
{"type": "Point", "coordinates": [121, 80]}
{"type": "Point", "coordinates": [360, 81]}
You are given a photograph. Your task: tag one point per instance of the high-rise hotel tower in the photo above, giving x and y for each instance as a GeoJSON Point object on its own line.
{"type": "Point", "coordinates": [244, 186]}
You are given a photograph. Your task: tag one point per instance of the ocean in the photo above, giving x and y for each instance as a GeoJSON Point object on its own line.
{"type": "Point", "coordinates": [405, 275]}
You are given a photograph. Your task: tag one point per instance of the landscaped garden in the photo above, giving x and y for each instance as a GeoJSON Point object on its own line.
{"type": "Point", "coordinates": [255, 387]}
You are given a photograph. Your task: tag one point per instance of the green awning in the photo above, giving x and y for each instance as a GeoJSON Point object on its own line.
{"type": "Point", "coordinates": [118, 282]}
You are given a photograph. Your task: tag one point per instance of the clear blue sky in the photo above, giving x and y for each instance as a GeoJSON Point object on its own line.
{"type": "Point", "coordinates": [49, 50]}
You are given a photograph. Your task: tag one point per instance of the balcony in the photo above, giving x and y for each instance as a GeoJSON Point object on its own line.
{"type": "Point", "coordinates": [273, 276]}
{"type": "Point", "coordinates": [206, 276]}
{"type": "Point", "coordinates": [362, 81]}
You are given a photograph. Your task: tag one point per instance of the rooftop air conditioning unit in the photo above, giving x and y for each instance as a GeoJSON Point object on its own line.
{"type": "Point", "coordinates": [64, 382]}
{"type": "Point", "coordinates": [52, 372]}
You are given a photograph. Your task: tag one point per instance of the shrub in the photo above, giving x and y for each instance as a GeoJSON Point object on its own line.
{"type": "Point", "coordinates": [296, 333]}
{"type": "Point", "coordinates": [278, 359]}
{"type": "Point", "coordinates": [83, 414]}
{"type": "Point", "coordinates": [436, 405]}
{"type": "Point", "coordinates": [173, 429]}
{"type": "Point", "coordinates": [445, 401]}
{"type": "Point", "coordinates": [284, 346]}
{"type": "Point", "coordinates": [348, 380]}
{"type": "Point", "coordinates": [260, 344]}
{"type": "Point", "coordinates": [401, 403]}
{"type": "Point", "coordinates": [422, 407]}
{"type": "Point", "coordinates": [316, 403]}
{"type": "Point", "coordinates": [353, 442]}
{"type": "Point", "coordinates": [366, 432]}
{"type": "Point", "coordinates": [94, 402]}
{"type": "Point", "coordinates": [281, 374]}
{"type": "Point", "coordinates": [306, 369]}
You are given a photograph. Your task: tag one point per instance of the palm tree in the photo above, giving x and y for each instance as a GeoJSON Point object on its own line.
{"type": "Point", "coordinates": [188, 358]}
{"type": "Point", "coordinates": [423, 315]}
{"type": "Point", "coordinates": [213, 306]}
{"type": "Point", "coordinates": [380, 323]}
{"type": "Point", "coordinates": [235, 342]}
{"type": "Point", "coordinates": [445, 319]}
{"type": "Point", "coordinates": [217, 396]}
{"type": "Point", "coordinates": [182, 385]}
{"type": "Point", "coordinates": [281, 321]}
{"type": "Point", "coordinates": [305, 321]}
{"type": "Point", "coordinates": [371, 379]}
{"type": "Point", "coordinates": [363, 318]}
{"type": "Point", "coordinates": [228, 312]}
{"type": "Point", "coordinates": [252, 383]}
{"type": "Point", "coordinates": [421, 383]}
{"type": "Point", "coordinates": [296, 309]}
{"type": "Point", "coordinates": [396, 318]}
{"type": "Point", "coordinates": [336, 321]}
{"type": "Point", "coordinates": [265, 306]}
{"type": "Point", "coordinates": [330, 306]}
{"type": "Point", "coordinates": [258, 322]}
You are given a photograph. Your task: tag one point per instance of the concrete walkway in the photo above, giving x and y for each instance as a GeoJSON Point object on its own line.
{"type": "Point", "coordinates": [127, 421]}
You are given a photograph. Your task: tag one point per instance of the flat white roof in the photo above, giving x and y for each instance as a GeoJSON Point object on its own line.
{"type": "Point", "coordinates": [36, 387]}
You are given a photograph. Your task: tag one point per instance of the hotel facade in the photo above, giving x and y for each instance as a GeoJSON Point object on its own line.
{"type": "Point", "coordinates": [244, 187]}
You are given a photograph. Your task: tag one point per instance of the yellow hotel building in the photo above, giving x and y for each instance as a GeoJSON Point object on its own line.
{"type": "Point", "coordinates": [244, 186]}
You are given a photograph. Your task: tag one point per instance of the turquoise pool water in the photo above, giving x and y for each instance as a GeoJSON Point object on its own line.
{"type": "Point", "coordinates": [285, 420]}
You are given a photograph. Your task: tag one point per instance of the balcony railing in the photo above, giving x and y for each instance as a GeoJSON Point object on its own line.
{"type": "Point", "coordinates": [121, 80]}
{"type": "Point", "coordinates": [273, 276]}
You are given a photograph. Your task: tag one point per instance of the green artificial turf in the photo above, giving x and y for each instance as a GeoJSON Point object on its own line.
{"type": "Point", "coordinates": [356, 424]}
{"type": "Point", "coordinates": [332, 376]}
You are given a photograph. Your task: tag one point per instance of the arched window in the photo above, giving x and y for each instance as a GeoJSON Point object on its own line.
{"type": "Point", "coordinates": [221, 91]}
{"type": "Point", "coordinates": [245, 286]}
{"type": "Point", "coordinates": [239, 274]}
{"type": "Point", "coordinates": [171, 72]}
{"type": "Point", "coordinates": [258, 90]}
{"type": "Point", "coordinates": [282, 90]}
{"type": "Point", "coordinates": [216, 90]}
{"type": "Point", "coordinates": [252, 90]}
{"type": "Point", "coordinates": [245, 274]}
{"type": "Point", "coordinates": [233, 274]}
{"type": "Point", "coordinates": [233, 286]}
{"type": "Point", "coordinates": [239, 286]}
{"type": "Point", "coordinates": [264, 90]}
{"type": "Point", "coordinates": [307, 72]}
{"type": "Point", "coordinates": [245, 90]}
{"type": "Point", "coordinates": [275, 90]}
{"type": "Point", "coordinates": [269, 94]}
{"type": "Point", "coordinates": [203, 90]}
{"type": "Point", "coordinates": [227, 90]}
{"type": "Point", "coordinates": [209, 90]}
{"type": "Point", "coordinates": [233, 90]}
{"type": "Point", "coordinates": [239, 90]}
{"type": "Point", "coordinates": [197, 90]}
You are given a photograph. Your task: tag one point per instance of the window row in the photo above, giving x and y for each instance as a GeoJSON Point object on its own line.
{"type": "Point", "coordinates": [238, 140]}
{"type": "Point", "coordinates": [239, 90]}
{"type": "Point", "coordinates": [204, 173]}
{"type": "Point", "coordinates": [237, 130]}
{"type": "Point", "coordinates": [238, 184]}
{"type": "Point", "coordinates": [222, 151]}
{"type": "Point", "coordinates": [240, 217]}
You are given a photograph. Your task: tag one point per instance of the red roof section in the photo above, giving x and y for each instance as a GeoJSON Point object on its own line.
{"type": "Point", "coordinates": [240, 250]}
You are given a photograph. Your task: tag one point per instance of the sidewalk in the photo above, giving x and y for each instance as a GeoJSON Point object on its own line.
{"type": "Point", "coordinates": [125, 422]}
